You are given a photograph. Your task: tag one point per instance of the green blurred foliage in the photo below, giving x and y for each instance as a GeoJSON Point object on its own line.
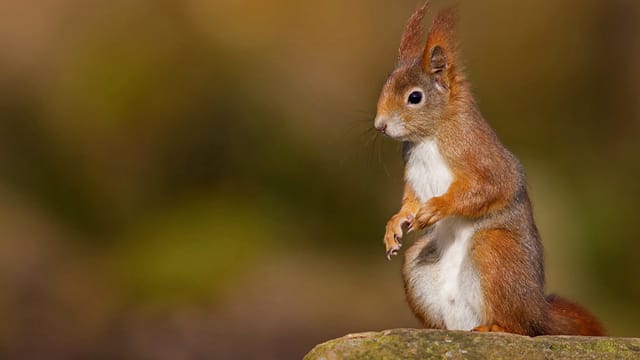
{"type": "Point", "coordinates": [188, 179]}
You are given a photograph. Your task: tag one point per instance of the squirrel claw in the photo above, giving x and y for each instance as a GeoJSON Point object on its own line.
{"type": "Point", "coordinates": [409, 222]}
{"type": "Point", "coordinates": [393, 251]}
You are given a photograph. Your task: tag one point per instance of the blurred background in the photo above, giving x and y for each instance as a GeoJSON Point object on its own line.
{"type": "Point", "coordinates": [199, 179]}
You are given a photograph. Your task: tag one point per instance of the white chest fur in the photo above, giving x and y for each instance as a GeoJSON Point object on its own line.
{"type": "Point", "coordinates": [438, 271]}
{"type": "Point", "coordinates": [427, 172]}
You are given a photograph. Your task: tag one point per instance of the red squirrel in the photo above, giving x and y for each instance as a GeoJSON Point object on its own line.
{"type": "Point", "coordinates": [480, 264]}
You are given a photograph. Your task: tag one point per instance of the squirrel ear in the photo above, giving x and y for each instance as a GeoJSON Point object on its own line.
{"type": "Point", "coordinates": [438, 61]}
{"type": "Point", "coordinates": [411, 43]}
{"type": "Point", "coordinates": [440, 53]}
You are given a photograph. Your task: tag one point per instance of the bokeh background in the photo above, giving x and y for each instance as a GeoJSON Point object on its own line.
{"type": "Point", "coordinates": [199, 179]}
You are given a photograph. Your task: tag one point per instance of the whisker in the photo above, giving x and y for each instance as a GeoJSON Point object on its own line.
{"type": "Point", "coordinates": [369, 131]}
{"type": "Point", "coordinates": [365, 135]}
{"type": "Point", "coordinates": [381, 159]}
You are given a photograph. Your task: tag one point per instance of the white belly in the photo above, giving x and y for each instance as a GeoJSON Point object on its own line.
{"type": "Point", "coordinates": [442, 283]}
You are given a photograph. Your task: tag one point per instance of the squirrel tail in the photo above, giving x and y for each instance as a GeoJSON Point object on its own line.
{"type": "Point", "coordinates": [569, 318]}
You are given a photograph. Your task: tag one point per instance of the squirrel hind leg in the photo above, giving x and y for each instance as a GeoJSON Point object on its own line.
{"type": "Point", "coordinates": [489, 328]}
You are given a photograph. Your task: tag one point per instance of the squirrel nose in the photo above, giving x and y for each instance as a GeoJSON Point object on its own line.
{"type": "Point", "coordinates": [380, 123]}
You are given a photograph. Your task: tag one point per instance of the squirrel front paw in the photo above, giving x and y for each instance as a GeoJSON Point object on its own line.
{"type": "Point", "coordinates": [430, 213]}
{"type": "Point", "coordinates": [394, 233]}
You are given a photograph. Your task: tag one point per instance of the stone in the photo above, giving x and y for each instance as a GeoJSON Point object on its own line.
{"type": "Point", "coordinates": [440, 344]}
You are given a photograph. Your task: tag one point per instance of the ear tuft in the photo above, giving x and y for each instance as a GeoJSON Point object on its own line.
{"type": "Point", "coordinates": [440, 53]}
{"type": "Point", "coordinates": [411, 42]}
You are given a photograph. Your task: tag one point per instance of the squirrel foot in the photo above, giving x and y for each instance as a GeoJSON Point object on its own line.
{"type": "Point", "coordinates": [487, 328]}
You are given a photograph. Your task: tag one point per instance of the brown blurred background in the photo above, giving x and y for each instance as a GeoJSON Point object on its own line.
{"type": "Point", "coordinates": [199, 179]}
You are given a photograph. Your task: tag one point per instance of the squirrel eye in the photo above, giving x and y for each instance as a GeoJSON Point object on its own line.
{"type": "Point", "coordinates": [415, 97]}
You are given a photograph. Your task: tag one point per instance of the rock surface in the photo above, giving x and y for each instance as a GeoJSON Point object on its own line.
{"type": "Point", "coordinates": [437, 344]}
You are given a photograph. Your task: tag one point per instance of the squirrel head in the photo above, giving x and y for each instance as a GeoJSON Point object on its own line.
{"type": "Point", "coordinates": [421, 92]}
